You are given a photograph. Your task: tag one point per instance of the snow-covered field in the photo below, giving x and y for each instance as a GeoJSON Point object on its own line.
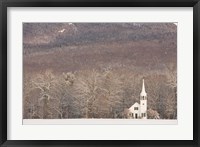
{"type": "Point", "coordinates": [100, 121]}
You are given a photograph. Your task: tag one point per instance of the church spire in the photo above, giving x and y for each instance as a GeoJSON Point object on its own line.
{"type": "Point", "coordinates": [143, 92]}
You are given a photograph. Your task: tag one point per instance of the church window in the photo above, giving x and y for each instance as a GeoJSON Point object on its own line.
{"type": "Point", "coordinates": [135, 108]}
{"type": "Point", "coordinates": [143, 114]}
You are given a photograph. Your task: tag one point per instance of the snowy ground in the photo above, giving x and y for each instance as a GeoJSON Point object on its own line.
{"type": "Point", "coordinates": [100, 121]}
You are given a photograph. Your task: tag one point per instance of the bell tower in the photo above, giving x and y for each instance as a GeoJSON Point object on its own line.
{"type": "Point", "coordinates": [143, 102]}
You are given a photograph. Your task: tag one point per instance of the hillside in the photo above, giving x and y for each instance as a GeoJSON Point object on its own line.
{"type": "Point", "coordinates": [75, 46]}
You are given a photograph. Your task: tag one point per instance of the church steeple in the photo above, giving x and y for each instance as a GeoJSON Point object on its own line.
{"type": "Point", "coordinates": [143, 102]}
{"type": "Point", "coordinates": [143, 92]}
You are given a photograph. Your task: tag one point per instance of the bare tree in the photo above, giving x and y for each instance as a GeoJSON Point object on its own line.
{"type": "Point", "coordinates": [86, 90]}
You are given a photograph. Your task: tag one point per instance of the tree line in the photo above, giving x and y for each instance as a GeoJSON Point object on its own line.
{"type": "Point", "coordinates": [97, 94]}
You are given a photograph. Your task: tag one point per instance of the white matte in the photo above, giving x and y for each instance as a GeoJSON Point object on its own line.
{"type": "Point", "coordinates": [183, 17]}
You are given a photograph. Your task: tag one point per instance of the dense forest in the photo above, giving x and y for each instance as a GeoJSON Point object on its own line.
{"type": "Point", "coordinates": [96, 70]}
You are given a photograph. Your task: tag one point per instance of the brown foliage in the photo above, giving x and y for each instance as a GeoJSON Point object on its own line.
{"type": "Point", "coordinates": [96, 94]}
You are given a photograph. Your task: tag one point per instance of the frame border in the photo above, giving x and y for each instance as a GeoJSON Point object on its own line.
{"type": "Point", "coordinates": [98, 3]}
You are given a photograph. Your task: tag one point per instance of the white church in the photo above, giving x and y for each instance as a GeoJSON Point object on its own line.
{"type": "Point", "coordinates": [139, 111]}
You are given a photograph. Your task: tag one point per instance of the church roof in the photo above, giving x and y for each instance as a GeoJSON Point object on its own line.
{"type": "Point", "coordinates": [143, 92]}
{"type": "Point", "coordinates": [135, 104]}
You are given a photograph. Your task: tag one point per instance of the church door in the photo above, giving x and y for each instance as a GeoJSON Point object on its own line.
{"type": "Point", "coordinates": [136, 116]}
